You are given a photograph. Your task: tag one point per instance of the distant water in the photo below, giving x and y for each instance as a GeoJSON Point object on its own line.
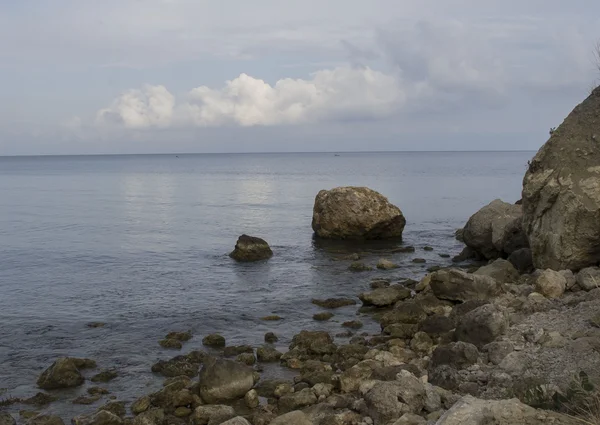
{"type": "Point", "coordinates": [140, 242]}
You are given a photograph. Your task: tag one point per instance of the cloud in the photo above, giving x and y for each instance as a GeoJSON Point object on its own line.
{"type": "Point", "coordinates": [329, 95]}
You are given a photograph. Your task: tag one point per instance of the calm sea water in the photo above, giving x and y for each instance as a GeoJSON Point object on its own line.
{"type": "Point", "coordinates": [141, 243]}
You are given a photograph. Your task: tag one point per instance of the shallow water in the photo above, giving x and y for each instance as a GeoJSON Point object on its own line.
{"type": "Point", "coordinates": [141, 243]}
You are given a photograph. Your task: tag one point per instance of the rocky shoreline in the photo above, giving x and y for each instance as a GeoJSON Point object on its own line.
{"type": "Point", "coordinates": [509, 335]}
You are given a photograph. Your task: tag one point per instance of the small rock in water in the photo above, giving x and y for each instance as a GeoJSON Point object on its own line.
{"type": "Point", "coordinates": [214, 340]}
{"type": "Point", "coordinates": [334, 302]}
{"type": "Point", "coordinates": [271, 338]}
{"type": "Point", "coordinates": [64, 373]}
{"type": "Point", "coordinates": [354, 324]}
{"type": "Point", "coordinates": [384, 264]}
{"type": "Point", "coordinates": [427, 248]}
{"type": "Point", "coordinates": [46, 420]}
{"type": "Point", "coordinates": [272, 318]}
{"type": "Point", "coordinates": [404, 249]}
{"type": "Point", "coordinates": [235, 350]}
{"type": "Point", "coordinates": [419, 260]}
{"type": "Point", "coordinates": [170, 343]}
{"type": "Point", "coordinates": [444, 255]}
{"type": "Point", "coordinates": [105, 376]}
{"type": "Point", "coordinates": [267, 354]}
{"type": "Point", "coordinates": [97, 390]}
{"type": "Point", "coordinates": [433, 269]}
{"type": "Point", "coordinates": [179, 336]}
{"type": "Point", "coordinates": [246, 358]}
{"type": "Point", "coordinates": [359, 266]}
{"type": "Point", "coordinates": [251, 399]}
{"type": "Point", "coordinates": [323, 316]}
{"type": "Point", "coordinates": [87, 400]}
{"type": "Point", "coordinates": [40, 399]}
{"type": "Point", "coordinates": [95, 324]}
{"type": "Point", "coordinates": [250, 248]}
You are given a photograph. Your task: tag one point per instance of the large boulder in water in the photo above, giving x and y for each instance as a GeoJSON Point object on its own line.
{"type": "Point", "coordinates": [250, 248]}
{"type": "Point", "coordinates": [62, 374]}
{"type": "Point", "coordinates": [356, 213]}
{"type": "Point", "coordinates": [222, 380]}
{"type": "Point", "coordinates": [496, 230]}
{"type": "Point", "coordinates": [561, 193]}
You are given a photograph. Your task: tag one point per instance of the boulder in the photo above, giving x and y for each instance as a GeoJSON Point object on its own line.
{"type": "Point", "coordinates": [482, 325]}
{"type": "Point", "coordinates": [267, 354]}
{"type": "Point", "coordinates": [472, 411]}
{"type": "Point", "coordinates": [212, 414]}
{"type": "Point", "coordinates": [383, 297]}
{"type": "Point", "coordinates": [459, 355]}
{"type": "Point", "coordinates": [495, 231]}
{"type": "Point", "coordinates": [407, 312]}
{"type": "Point", "coordinates": [313, 342]}
{"type": "Point", "coordinates": [250, 248]}
{"type": "Point", "coordinates": [457, 285]}
{"type": "Point", "coordinates": [222, 380]}
{"type": "Point", "coordinates": [501, 270]}
{"type": "Point", "coordinates": [522, 260]}
{"type": "Point", "coordinates": [561, 193]}
{"type": "Point", "coordinates": [296, 417]}
{"type": "Point", "coordinates": [589, 278]}
{"type": "Point", "coordinates": [214, 341]}
{"type": "Point", "coordinates": [551, 284]}
{"type": "Point", "coordinates": [271, 338]}
{"type": "Point", "coordinates": [62, 374]}
{"type": "Point", "coordinates": [297, 400]}
{"type": "Point", "coordinates": [356, 213]}
{"type": "Point", "coordinates": [150, 417]}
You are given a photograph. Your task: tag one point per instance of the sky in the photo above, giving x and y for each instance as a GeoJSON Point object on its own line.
{"type": "Point", "coordinates": [163, 76]}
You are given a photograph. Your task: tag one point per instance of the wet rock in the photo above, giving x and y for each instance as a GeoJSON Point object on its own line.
{"type": "Point", "coordinates": [456, 285]}
{"type": "Point", "coordinates": [297, 400]}
{"type": "Point", "coordinates": [354, 324]}
{"type": "Point", "coordinates": [408, 312]}
{"type": "Point", "coordinates": [384, 297]}
{"type": "Point", "coordinates": [472, 411]}
{"type": "Point", "coordinates": [522, 260]}
{"type": "Point", "coordinates": [482, 325]}
{"type": "Point", "coordinates": [214, 341]}
{"type": "Point", "coordinates": [386, 401]}
{"type": "Point", "coordinates": [83, 363]}
{"type": "Point", "coordinates": [501, 270]}
{"type": "Point", "coordinates": [433, 305]}
{"type": "Point", "coordinates": [404, 249]}
{"type": "Point", "coordinates": [85, 400]}
{"type": "Point", "coordinates": [334, 302]}
{"type": "Point", "coordinates": [40, 399]}
{"type": "Point", "coordinates": [246, 358]}
{"type": "Point", "coordinates": [63, 373]}
{"type": "Point", "coordinates": [268, 354]}
{"type": "Point", "coordinates": [296, 417]}
{"type": "Point", "coordinates": [170, 344]}
{"type": "Point", "coordinates": [385, 264]}
{"type": "Point", "coordinates": [180, 365]}
{"type": "Point", "coordinates": [356, 213]}
{"type": "Point", "coordinates": [314, 342]}
{"type": "Point", "coordinates": [114, 407]}
{"type": "Point", "coordinates": [95, 325]}
{"type": "Point", "coordinates": [321, 317]}
{"type": "Point", "coordinates": [45, 420]}
{"type": "Point", "coordinates": [272, 318]}
{"type": "Point", "coordinates": [150, 417]}
{"type": "Point", "coordinates": [419, 260]}
{"type": "Point", "coordinates": [283, 389]}
{"type": "Point", "coordinates": [212, 414]}
{"type": "Point", "coordinates": [271, 338]}
{"type": "Point", "coordinates": [222, 380]}
{"type": "Point", "coordinates": [358, 266]}
{"type": "Point", "coordinates": [97, 391]}
{"type": "Point", "coordinates": [179, 336]}
{"type": "Point", "coordinates": [105, 376]}
{"type": "Point", "coordinates": [550, 284]}
{"type": "Point", "coordinates": [589, 278]}
{"type": "Point", "coordinates": [401, 330]}
{"type": "Point", "coordinates": [104, 417]}
{"type": "Point", "coordinates": [236, 350]}
{"type": "Point", "coordinates": [7, 419]}
{"type": "Point", "coordinates": [496, 230]}
{"type": "Point", "coordinates": [250, 248]}
{"type": "Point", "coordinates": [182, 412]}
{"type": "Point", "coordinates": [351, 379]}
{"type": "Point", "coordinates": [140, 405]}
{"type": "Point", "coordinates": [251, 399]}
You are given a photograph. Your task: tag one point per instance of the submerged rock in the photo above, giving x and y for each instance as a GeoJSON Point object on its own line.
{"type": "Point", "coordinates": [321, 317]}
{"type": "Point", "coordinates": [356, 213]}
{"type": "Point", "coordinates": [214, 340]}
{"type": "Point", "coordinates": [105, 376]}
{"type": "Point", "coordinates": [334, 302]}
{"type": "Point", "coordinates": [63, 373]}
{"type": "Point", "coordinates": [250, 248]}
{"type": "Point", "coordinates": [561, 193]}
{"type": "Point", "coordinates": [222, 380]}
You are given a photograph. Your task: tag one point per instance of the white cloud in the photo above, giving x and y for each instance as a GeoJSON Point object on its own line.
{"type": "Point", "coordinates": [333, 94]}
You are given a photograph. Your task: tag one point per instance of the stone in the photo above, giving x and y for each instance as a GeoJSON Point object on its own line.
{"type": "Point", "coordinates": [222, 380]}
{"type": "Point", "coordinates": [105, 376]}
{"type": "Point", "coordinates": [459, 355]}
{"type": "Point", "coordinates": [353, 324]}
{"type": "Point", "coordinates": [246, 358]}
{"type": "Point", "coordinates": [212, 414]}
{"type": "Point", "coordinates": [386, 401]}
{"type": "Point", "coordinates": [179, 336]}
{"type": "Point", "coordinates": [251, 399]}
{"type": "Point", "coordinates": [401, 330]}
{"type": "Point", "coordinates": [85, 400]}
{"type": "Point", "coordinates": [295, 417]}
{"type": "Point", "coordinates": [283, 389]}
{"type": "Point", "coordinates": [187, 365]}
{"type": "Point", "coordinates": [421, 343]}
{"type": "Point", "coordinates": [522, 260]}
{"type": "Point", "coordinates": [419, 260]}
{"type": "Point", "coordinates": [436, 325]}
{"type": "Point", "coordinates": [297, 400]}
{"type": "Point", "coordinates": [97, 391]}
{"type": "Point", "coordinates": [482, 325]}
{"type": "Point", "coordinates": [495, 231]}
{"type": "Point", "coordinates": [385, 264]}
{"type": "Point", "coordinates": [40, 399]}
{"type": "Point", "coordinates": [83, 363]}
{"type": "Point", "coordinates": [170, 344]}
{"type": "Point", "coordinates": [214, 341]}
{"type": "Point", "coordinates": [408, 312]}
{"type": "Point", "coordinates": [63, 373]}
{"type": "Point", "coordinates": [238, 420]}
{"type": "Point", "coordinates": [333, 303]}
{"type": "Point", "coordinates": [104, 417]}
{"type": "Point", "coordinates": [7, 419]}
{"type": "Point", "coordinates": [140, 405]}
{"type": "Point", "coordinates": [45, 420]}
{"type": "Point", "coordinates": [410, 419]}
{"type": "Point", "coordinates": [561, 193]}
{"type": "Point", "coordinates": [271, 338]}
{"type": "Point", "coordinates": [550, 284]}
{"type": "Point", "coordinates": [501, 270]}
{"type": "Point", "coordinates": [589, 278]}
{"type": "Point", "coordinates": [313, 342]}
{"type": "Point", "coordinates": [235, 350]}
{"type": "Point", "coordinates": [271, 318]}
{"type": "Point", "coordinates": [267, 354]}
{"type": "Point", "coordinates": [182, 412]}
{"type": "Point", "coordinates": [322, 317]}
{"type": "Point", "coordinates": [498, 350]}
{"type": "Point", "coordinates": [250, 248]}
{"type": "Point", "coordinates": [114, 407]}
{"type": "Point", "coordinates": [150, 417]}
{"type": "Point", "coordinates": [359, 266]}
{"type": "Point", "coordinates": [384, 297]}
{"type": "Point", "coordinates": [351, 379]}
{"type": "Point", "coordinates": [457, 285]}
{"type": "Point", "coordinates": [472, 411]}
{"type": "Point", "coordinates": [356, 213]}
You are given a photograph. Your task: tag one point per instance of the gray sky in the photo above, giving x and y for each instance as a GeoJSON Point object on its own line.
{"type": "Point", "coordinates": [137, 76]}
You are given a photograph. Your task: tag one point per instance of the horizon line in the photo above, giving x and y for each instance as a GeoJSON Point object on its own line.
{"type": "Point", "coordinates": [270, 153]}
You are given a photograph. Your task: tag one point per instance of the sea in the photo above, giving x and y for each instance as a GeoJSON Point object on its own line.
{"type": "Point", "coordinates": [141, 243]}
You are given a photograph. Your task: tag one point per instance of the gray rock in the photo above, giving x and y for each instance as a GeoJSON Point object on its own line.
{"type": "Point", "coordinates": [408, 312]}
{"type": "Point", "coordinates": [472, 411]}
{"type": "Point", "coordinates": [410, 419]}
{"type": "Point", "coordinates": [250, 248]}
{"type": "Point", "coordinates": [222, 380]}
{"type": "Point", "coordinates": [238, 420]}
{"type": "Point", "coordinates": [457, 285]}
{"type": "Point", "coordinates": [296, 417]}
{"type": "Point", "coordinates": [496, 230]}
{"type": "Point", "coordinates": [62, 374]}
{"type": "Point", "coordinates": [501, 270]}
{"type": "Point", "coordinates": [212, 414]}
{"type": "Point", "coordinates": [383, 297]}
{"type": "Point", "coordinates": [150, 417]}
{"type": "Point", "coordinates": [551, 284]}
{"type": "Point", "coordinates": [589, 278]}
{"type": "Point", "coordinates": [482, 325]}
{"type": "Point", "coordinates": [459, 355]}
{"type": "Point", "coordinates": [356, 213]}
{"type": "Point", "coordinates": [187, 365]}
{"type": "Point", "coordinates": [268, 354]}
{"type": "Point", "coordinates": [522, 260]}
{"type": "Point", "coordinates": [497, 351]}
{"type": "Point", "coordinates": [385, 264]}
{"type": "Point", "coordinates": [297, 400]}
